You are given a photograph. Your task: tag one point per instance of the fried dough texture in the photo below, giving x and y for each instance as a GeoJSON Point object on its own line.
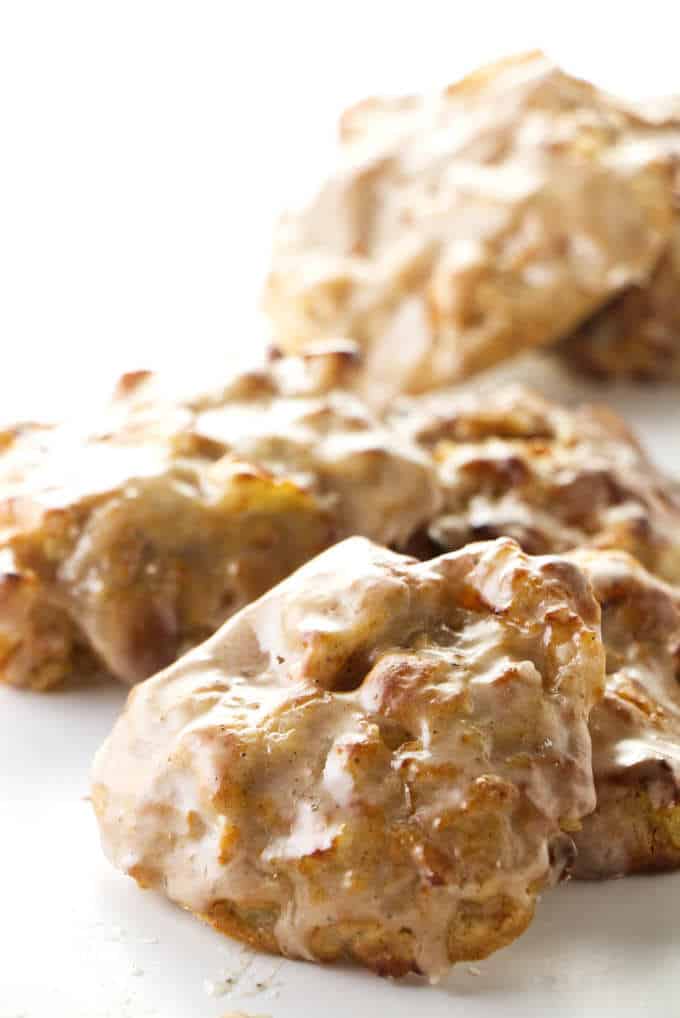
{"type": "Point", "coordinates": [461, 228]}
{"type": "Point", "coordinates": [637, 335]}
{"type": "Point", "coordinates": [380, 760]}
{"type": "Point", "coordinates": [128, 538]}
{"type": "Point", "coordinates": [635, 728]}
{"type": "Point", "coordinates": [512, 463]}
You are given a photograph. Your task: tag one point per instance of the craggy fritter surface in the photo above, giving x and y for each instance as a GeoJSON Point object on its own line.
{"type": "Point", "coordinates": [635, 729]}
{"type": "Point", "coordinates": [377, 760]}
{"type": "Point", "coordinates": [461, 228]}
{"type": "Point", "coordinates": [130, 538]}
{"type": "Point", "coordinates": [637, 335]}
{"type": "Point", "coordinates": [293, 418]}
{"type": "Point", "coordinates": [514, 464]}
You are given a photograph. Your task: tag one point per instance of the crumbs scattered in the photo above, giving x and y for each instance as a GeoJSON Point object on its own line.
{"type": "Point", "coordinates": [116, 934]}
{"type": "Point", "coordinates": [474, 971]}
{"type": "Point", "coordinates": [218, 987]}
{"type": "Point", "coordinates": [242, 1014]}
{"type": "Point", "coordinates": [248, 980]}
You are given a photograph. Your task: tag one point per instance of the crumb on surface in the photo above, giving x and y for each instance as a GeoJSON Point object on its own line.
{"type": "Point", "coordinates": [242, 1014]}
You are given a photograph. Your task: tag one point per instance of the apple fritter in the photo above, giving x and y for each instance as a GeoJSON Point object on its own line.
{"type": "Point", "coordinates": [381, 759]}
{"type": "Point", "coordinates": [512, 463]}
{"type": "Point", "coordinates": [461, 228]}
{"type": "Point", "coordinates": [127, 539]}
{"type": "Point", "coordinates": [636, 336]}
{"type": "Point", "coordinates": [635, 728]}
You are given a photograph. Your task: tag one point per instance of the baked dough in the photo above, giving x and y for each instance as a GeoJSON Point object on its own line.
{"type": "Point", "coordinates": [512, 463]}
{"type": "Point", "coordinates": [636, 727]}
{"type": "Point", "coordinates": [637, 335]}
{"type": "Point", "coordinates": [377, 760]}
{"type": "Point", "coordinates": [126, 540]}
{"type": "Point", "coordinates": [461, 228]}
{"type": "Point", "coordinates": [295, 419]}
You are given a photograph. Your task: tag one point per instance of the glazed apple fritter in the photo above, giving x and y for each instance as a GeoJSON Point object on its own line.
{"type": "Point", "coordinates": [379, 760]}
{"type": "Point", "coordinates": [513, 464]}
{"type": "Point", "coordinates": [462, 228]}
{"type": "Point", "coordinates": [126, 541]}
{"type": "Point", "coordinates": [637, 335]}
{"type": "Point", "coordinates": [293, 419]}
{"type": "Point", "coordinates": [635, 729]}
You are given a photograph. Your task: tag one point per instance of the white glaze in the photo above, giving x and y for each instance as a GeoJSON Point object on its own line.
{"type": "Point", "coordinates": [137, 532]}
{"type": "Point", "coordinates": [388, 743]}
{"type": "Point", "coordinates": [636, 727]}
{"type": "Point", "coordinates": [460, 228]}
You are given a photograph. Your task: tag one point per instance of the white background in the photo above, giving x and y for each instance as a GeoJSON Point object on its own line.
{"type": "Point", "coordinates": [145, 150]}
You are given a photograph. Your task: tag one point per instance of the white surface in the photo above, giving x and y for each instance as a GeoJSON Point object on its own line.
{"type": "Point", "coordinates": [145, 151]}
{"type": "Point", "coordinates": [81, 941]}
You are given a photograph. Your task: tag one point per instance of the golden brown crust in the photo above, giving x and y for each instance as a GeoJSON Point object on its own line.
{"type": "Point", "coordinates": [135, 576]}
{"type": "Point", "coordinates": [628, 834]}
{"type": "Point", "coordinates": [636, 727]}
{"type": "Point", "coordinates": [257, 933]}
{"type": "Point", "coordinates": [138, 533]}
{"type": "Point", "coordinates": [38, 641]}
{"type": "Point", "coordinates": [379, 760]}
{"type": "Point", "coordinates": [461, 228]}
{"type": "Point", "coordinates": [488, 928]}
{"type": "Point", "coordinates": [637, 335]}
{"type": "Point", "coordinates": [514, 464]}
